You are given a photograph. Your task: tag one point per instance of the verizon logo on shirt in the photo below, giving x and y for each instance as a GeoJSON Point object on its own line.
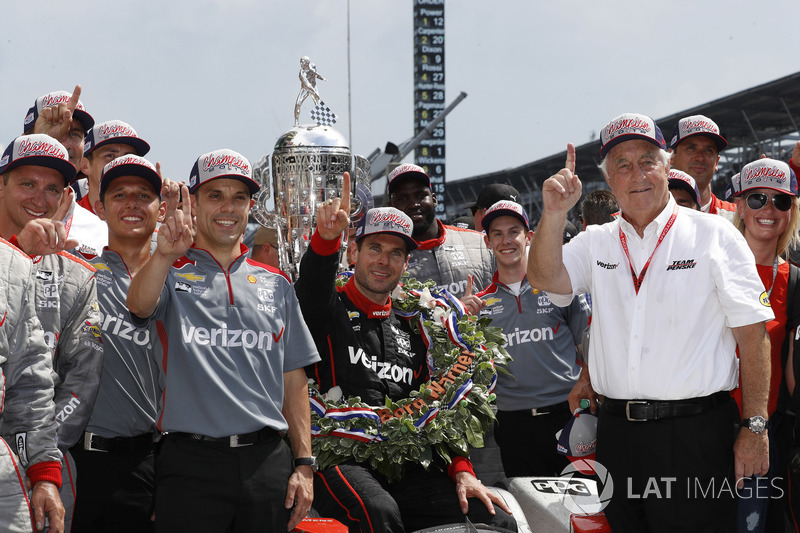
{"type": "Point", "coordinates": [384, 370]}
{"type": "Point", "coordinates": [227, 337]}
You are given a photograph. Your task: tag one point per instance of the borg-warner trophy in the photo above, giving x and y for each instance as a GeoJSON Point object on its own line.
{"type": "Point", "coordinates": [308, 163]}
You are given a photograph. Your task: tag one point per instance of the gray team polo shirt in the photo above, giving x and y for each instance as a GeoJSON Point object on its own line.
{"type": "Point", "coordinates": [127, 402]}
{"type": "Point", "coordinates": [230, 337]}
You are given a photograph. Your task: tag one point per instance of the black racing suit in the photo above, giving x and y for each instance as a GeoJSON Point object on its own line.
{"type": "Point", "coordinates": [369, 352]}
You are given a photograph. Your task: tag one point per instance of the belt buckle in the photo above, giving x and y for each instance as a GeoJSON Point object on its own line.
{"type": "Point", "coordinates": [628, 410]}
{"type": "Point", "coordinates": [539, 411]}
{"type": "Point", "coordinates": [87, 443]}
{"type": "Point", "coordinates": [234, 442]}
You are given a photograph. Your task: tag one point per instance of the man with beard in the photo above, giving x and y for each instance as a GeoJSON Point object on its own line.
{"type": "Point", "coordinates": [359, 318]}
{"type": "Point", "coordinates": [446, 254]}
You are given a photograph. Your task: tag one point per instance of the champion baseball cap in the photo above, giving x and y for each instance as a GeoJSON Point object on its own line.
{"type": "Point", "coordinates": [493, 193]}
{"type": "Point", "coordinates": [505, 208]}
{"type": "Point", "coordinates": [406, 171]}
{"type": "Point", "coordinates": [765, 174]}
{"type": "Point", "coordinates": [627, 127]}
{"type": "Point", "coordinates": [697, 125]}
{"type": "Point", "coordinates": [38, 150]}
{"type": "Point", "coordinates": [130, 165]}
{"type": "Point", "coordinates": [579, 436]}
{"type": "Point", "coordinates": [222, 164]}
{"type": "Point", "coordinates": [55, 98]}
{"type": "Point", "coordinates": [682, 180]}
{"type": "Point", "coordinates": [386, 220]}
{"type": "Point", "coordinates": [114, 131]}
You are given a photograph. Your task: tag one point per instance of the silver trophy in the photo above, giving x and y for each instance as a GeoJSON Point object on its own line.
{"type": "Point", "coordinates": [308, 163]}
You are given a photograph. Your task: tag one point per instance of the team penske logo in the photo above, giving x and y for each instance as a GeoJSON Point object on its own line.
{"type": "Point", "coordinates": [232, 338]}
{"type": "Point", "coordinates": [384, 370]}
{"type": "Point", "coordinates": [191, 276]}
{"type": "Point", "coordinates": [682, 264]}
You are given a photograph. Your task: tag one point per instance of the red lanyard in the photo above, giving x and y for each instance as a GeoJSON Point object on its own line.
{"type": "Point", "coordinates": [637, 280]}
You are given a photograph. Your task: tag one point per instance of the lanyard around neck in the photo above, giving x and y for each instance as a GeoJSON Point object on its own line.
{"type": "Point", "coordinates": [638, 280]}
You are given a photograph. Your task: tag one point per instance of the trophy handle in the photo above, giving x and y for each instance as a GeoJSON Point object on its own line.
{"type": "Point", "coordinates": [361, 199]}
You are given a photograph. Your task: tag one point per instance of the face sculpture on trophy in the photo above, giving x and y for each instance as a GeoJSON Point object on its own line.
{"type": "Point", "coordinates": [308, 163]}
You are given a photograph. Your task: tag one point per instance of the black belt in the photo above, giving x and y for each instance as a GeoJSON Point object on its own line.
{"type": "Point", "coordinates": [138, 444]}
{"type": "Point", "coordinates": [562, 407]}
{"type": "Point", "coordinates": [647, 410]}
{"type": "Point", "coordinates": [265, 434]}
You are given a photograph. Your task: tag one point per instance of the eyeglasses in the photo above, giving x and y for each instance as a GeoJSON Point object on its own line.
{"type": "Point", "coordinates": [757, 200]}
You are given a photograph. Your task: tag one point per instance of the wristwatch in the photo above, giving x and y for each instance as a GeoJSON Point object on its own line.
{"type": "Point", "coordinates": [307, 461]}
{"type": "Point", "coordinates": [756, 424]}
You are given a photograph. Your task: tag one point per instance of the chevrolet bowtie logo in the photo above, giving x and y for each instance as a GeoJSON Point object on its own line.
{"type": "Point", "coordinates": [191, 277]}
{"type": "Point", "coordinates": [101, 266]}
{"type": "Point", "coordinates": [491, 301]}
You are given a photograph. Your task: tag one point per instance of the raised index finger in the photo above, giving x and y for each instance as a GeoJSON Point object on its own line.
{"type": "Point", "coordinates": [73, 101]}
{"type": "Point", "coordinates": [345, 204]}
{"type": "Point", "coordinates": [570, 163]}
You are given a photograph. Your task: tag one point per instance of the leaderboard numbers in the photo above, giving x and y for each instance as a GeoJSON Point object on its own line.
{"type": "Point", "coordinates": [429, 92]}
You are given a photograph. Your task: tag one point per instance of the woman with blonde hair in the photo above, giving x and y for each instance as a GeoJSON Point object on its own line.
{"type": "Point", "coordinates": [766, 199]}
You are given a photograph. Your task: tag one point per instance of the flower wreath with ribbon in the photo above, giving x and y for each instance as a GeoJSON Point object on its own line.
{"type": "Point", "coordinates": [447, 415]}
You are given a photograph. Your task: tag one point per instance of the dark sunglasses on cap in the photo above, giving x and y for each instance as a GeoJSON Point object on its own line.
{"type": "Point", "coordinates": [757, 200]}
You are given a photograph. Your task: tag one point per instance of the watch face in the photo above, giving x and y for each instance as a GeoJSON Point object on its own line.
{"type": "Point", "coordinates": [757, 424]}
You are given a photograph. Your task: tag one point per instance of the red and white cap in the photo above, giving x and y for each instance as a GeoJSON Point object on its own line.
{"type": "Point", "coordinates": [222, 164]}
{"type": "Point", "coordinates": [765, 174]}
{"type": "Point", "coordinates": [387, 220]}
{"type": "Point", "coordinates": [628, 127]}
{"type": "Point", "coordinates": [55, 98]}
{"type": "Point", "coordinates": [682, 180]}
{"type": "Point", "coordinates": [130, 165]}
{"type": "Point", "coordinates": [406, 171]}
{"type": "Point", "coordinates": [697, 125]}
{"type": "Point", "coordinates": [114, 131]}
{"type": "Point", "coordinates": [38, 150]}
{"type": "Point", "coordinates": [505, 208]}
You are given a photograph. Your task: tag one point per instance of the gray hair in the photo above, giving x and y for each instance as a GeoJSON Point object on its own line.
{"type": "Point", "coordinates": [666, 157]}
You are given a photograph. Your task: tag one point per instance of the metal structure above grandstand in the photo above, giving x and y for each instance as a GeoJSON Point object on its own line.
{"type": "Point", "coordinates": [760, 120]}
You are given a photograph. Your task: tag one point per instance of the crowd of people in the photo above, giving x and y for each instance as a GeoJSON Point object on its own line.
{"type": "Point", "coordinates": [156, 371]}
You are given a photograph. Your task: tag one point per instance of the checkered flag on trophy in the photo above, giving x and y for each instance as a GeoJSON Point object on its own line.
{"type": "Point", "coordinates": [322, 115]}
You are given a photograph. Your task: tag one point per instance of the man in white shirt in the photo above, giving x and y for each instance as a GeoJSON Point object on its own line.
{"type": "Point", "coordinates": [674, 291]}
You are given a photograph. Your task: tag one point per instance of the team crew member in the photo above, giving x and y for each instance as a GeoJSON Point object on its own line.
{"type": "Point", "coordinates": [359, 319]}
{"type": "Point", "coordinates": [490, 195]}
{"type": "Point", "coordinates": [668, 310]}
{"type": "Point", "coordinates": [115, 455]}
{"type": "Point", "coordinates": [233, 374]}
{"type": "Point", "coordinates": [265, 247]}
{"type": "Point", "coordinates": [542, 339]}
{"type": "Point", "coordinates": [683, 188]}
{"type": "Point", "coordinates": [765, 194]}
{"type": "Point", "coordinates": [445, 254]}
{"type": "Point", "coordinates": [63, 117]}
{"type": "Point", "coordinates": [35, 175]}
{"type": "Point", "coordinates": [696, 143]}
{"type": "Point", "coordinates": [29, 440]}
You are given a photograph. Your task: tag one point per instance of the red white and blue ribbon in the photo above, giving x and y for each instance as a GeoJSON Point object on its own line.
{"type": "Point", "coordinates": [425, 419]}
{"type": "Point", "coordinates": [461, 393]}
{"type": "Point", "coordinates": [317, 406]}
{"type": "Point", "coordinates": [356, 434]}
{"type": "Point", "coordinates": [350, 413]}
{"type": "Point", "coordinates": [451, 325]}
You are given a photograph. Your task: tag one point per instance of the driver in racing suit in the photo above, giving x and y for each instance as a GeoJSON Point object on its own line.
{"type": "Point", "coordinates": [26, 402]}
{"type": "Point", "coordinates": [369, 352]}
